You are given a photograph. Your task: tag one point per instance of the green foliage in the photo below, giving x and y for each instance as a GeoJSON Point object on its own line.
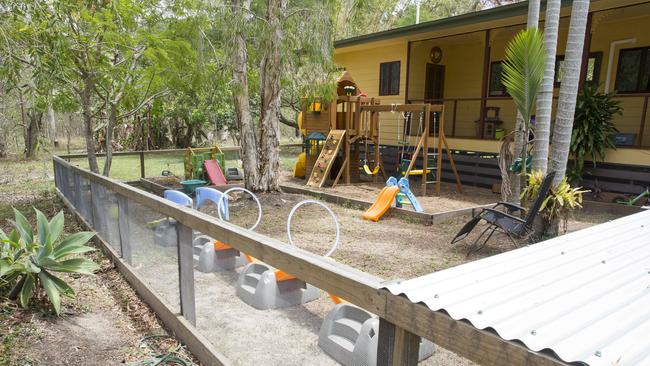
{"type": "Point", "coordinates": [28, 259]}
{"type": "Point", "coordinates": [560, 200]}
{"type": "Point", "coordinates": [523, 70]}
{"type": "Point", "coordinates": [592, 128]}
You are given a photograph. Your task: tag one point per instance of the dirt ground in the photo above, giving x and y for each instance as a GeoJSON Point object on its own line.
{"type": "Point", "coordinates": [391, 248]}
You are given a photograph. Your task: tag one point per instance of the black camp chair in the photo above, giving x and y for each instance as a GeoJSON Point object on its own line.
{"type": "Point", "coordinates": [512, 226]}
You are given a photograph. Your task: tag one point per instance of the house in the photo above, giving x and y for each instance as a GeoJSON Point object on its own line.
{"type": "Point", "coordinates": [456, 62]}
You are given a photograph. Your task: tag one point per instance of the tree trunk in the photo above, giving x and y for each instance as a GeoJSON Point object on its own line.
{"type": "Point", "coordinates": [51, 125]}
{"type": "Point", "coordinates": [568, 90]}
{"type": "Point", "coordinates": [533, 14]}
{"type": "Point", "coordinates": [239, 59]}
{"type": "Point", "coordinates": [88, 122]}
{"type": "Point", "coordinates": [271, 75]}
{"type": "Point", "coordinates": [545, 96]}
{"type": "Point", "coordinates": [110, 126]}
{"type": "Point", "coordinates": [31, 133]}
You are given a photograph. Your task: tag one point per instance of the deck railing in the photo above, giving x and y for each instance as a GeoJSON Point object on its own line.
{"type": "Point", "coordinates": [636, 104]}
{"type": "Point", "coordinates": [124, 218]}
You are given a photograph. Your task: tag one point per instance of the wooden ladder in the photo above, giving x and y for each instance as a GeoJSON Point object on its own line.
{"type": "Point", "coordinates": [323, 165]}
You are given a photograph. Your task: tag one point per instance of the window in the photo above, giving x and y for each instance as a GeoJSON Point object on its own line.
{"type": "Point", "coordinates": [593, 69]}
{"type": "Point", "coordinates": [497, 89]}
{"type": "Point", "coordinates": [633, 74]}
{"type": "Point", "coordinates": [389, 78]}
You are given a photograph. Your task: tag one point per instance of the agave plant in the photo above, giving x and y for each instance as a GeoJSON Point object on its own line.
{"type": "Point", "coordinates": [28, 261]}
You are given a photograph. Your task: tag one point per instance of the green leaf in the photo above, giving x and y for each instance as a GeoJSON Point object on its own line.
{"type": "Point", "coordinates": [74, 240]}
{"type": "Point", "coordinates": [23, 227]}
{"type": "Point", "coordinates": [51, 290]}
{"type": "Point", "coordinates": [76, 265]}
{"type": "Point", "coordinates": [27, 291]}
{"type": "Point", "coordinates": [56, 227]}
{"type": "Point", "coordinates": [5, 267]}
{"type": "Point", "coordinates": [43, 227]}
{"type": "Point", "coordinates": [63, 287]}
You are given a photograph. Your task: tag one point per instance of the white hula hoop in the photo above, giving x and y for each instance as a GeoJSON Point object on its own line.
{"type": "Point", "coordinates": [259, 205]}
{"type": "Point", "coordinates": [336, 222]}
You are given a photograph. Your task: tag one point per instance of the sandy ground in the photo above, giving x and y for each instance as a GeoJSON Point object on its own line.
{"type": "Point", "coordinates": [391, 248]}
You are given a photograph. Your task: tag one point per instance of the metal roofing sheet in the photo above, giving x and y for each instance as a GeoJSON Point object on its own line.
{"type": "Point", "coordinates": [583, 295]}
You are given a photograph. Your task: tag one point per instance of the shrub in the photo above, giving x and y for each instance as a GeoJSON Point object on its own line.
{"type": "Point", "coordinates": [28, 261]}
{"type": "Point", "coordinates": [560, 201]}
{"type": "Point", "coordinates": [592, 128]}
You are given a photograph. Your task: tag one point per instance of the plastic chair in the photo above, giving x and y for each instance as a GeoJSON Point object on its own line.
{"type": "Point", "coordinates": [178, 197]}
{"type": "Point", "coordinates": [204, 194]}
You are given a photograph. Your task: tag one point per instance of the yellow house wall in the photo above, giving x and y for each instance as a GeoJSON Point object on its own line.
{"type": "Point", "coordinates": [363, 66]}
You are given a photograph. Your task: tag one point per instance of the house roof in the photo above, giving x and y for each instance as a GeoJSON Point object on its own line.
{"type": "Point", "coordinates": [496, 13]}
{"type": "Point", "coordinates": [584, 296]}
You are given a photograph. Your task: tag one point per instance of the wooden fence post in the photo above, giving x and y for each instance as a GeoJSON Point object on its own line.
{"type": "Point", "coordinates": [186, 272]}
{"type": "Point", "coordinates": [142, 171]}
{"type": "Point", "coordinates": [396, 346]}
{"type": "Point", "coordinates": [124, 228]}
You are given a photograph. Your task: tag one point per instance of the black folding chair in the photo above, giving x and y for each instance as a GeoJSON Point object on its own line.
{"type": "Point", "coordinates": [512, 226]}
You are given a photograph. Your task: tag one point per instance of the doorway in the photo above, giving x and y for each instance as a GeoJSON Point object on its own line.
{"type": "Point", "coordinates": [434, 92]}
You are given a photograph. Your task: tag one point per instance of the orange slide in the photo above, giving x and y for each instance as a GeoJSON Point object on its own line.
{"type": "Point", "coordinates": [382, 204]}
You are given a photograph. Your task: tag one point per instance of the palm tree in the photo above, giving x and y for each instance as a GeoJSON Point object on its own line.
{"type": "Point", "coordinates": [568, 90]}
{"type": "Point", "coordinates": [521, 137]}
{"type": "Point", "coordinates": [523, 71]}
{"type": "Point", "coordinates": [545, 97]}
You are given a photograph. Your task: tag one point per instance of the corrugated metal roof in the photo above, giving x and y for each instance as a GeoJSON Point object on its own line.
{"type": "Point", "coordinates": [584, 295]}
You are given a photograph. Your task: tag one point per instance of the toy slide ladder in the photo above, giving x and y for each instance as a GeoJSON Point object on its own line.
{"type": "Point", "coordinates": [325, 160]}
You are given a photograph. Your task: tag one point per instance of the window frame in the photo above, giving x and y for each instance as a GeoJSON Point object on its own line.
{"type": "Point", "coordinates": [644, 62]}
{"type": "Point", "coordinates": [597, 55]}
{"type": "Point", "coordinates": [390, 77]}
{"type": "Point", "coordinates": [491, 92]}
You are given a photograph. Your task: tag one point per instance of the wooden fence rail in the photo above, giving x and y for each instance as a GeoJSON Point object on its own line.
{"type": "Point", "coordinates": [403, 322]}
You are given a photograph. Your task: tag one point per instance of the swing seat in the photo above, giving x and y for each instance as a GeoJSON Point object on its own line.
{"type": "Point", "coordinates": [366, 169]}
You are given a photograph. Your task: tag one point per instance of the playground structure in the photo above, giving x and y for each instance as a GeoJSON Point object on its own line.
{"type": "Point", "coordinates": [350, 122]}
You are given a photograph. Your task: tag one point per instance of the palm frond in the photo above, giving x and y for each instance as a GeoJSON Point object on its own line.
{"type": "Point", "coordinates": [523, 69]}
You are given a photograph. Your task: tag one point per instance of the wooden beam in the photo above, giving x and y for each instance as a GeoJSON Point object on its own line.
{"type": "Point", "coordinates": [401, 108]}
{"type": "Point", "coordinates": [459, 186]}
{"type": "Point", "coordinates": [441, 134]}
{"type": "Point", "coordinates": [425, 148]}
{"type": "Point", "coordinates": [644, 111]}
{"type": "Point", "coordinates": [484, 83]}
{"type": "Point", "coordinates": [124, 228]}
{"type": "Point", "coordinates": [142, 169]}
{"type": "Point", "coordinates": [408, 70]}
{"type": "Point", "coordinates": [186, 272]}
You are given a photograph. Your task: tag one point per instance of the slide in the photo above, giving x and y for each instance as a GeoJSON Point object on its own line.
{"type": "Point", "coordinates": [382, 204]}
{"type": "Point", "coordinates": [404, 188]}
{"type": "Point", "coordinates": [214, 172]}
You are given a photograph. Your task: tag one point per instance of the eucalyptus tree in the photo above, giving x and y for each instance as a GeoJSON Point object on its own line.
{"type": "Point", "coordinates": [568, 90]}
{"type": "Point", "coordinates": [545, 97]}
{"type": "Point", "coordinates": [273, 41]}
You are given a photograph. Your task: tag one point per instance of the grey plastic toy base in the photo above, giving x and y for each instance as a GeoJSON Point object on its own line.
{"type": "Point", "coordinates": [350, 334]}
{"type": "Point", "coordinates": [209, 260]}
{"type": "Point", "coordinates": [164, 234]}
{"type": "Point", "coordinates": [258, 288]}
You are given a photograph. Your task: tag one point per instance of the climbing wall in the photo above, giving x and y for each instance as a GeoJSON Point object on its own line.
{"type": "Point", "coordinates": [323, 165]}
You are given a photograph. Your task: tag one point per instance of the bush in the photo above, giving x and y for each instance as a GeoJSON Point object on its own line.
{"type": "Point", "coordinates": [28, 261]}
{"type": "Point", "coordinates": [560, 201]}
{"type": "Point", "coordinates": [592, 128]}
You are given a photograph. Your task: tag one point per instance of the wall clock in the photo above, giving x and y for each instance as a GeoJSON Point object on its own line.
{"type": "Point", "coordinates": [435, 55]}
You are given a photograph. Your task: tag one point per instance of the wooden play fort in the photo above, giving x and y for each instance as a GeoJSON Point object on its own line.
{"type": "Point", "coordinates": [342, 139]}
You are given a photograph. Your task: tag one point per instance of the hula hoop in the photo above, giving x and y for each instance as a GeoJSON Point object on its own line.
{"type": "Point", "coordinates": [336, 222]}
{"type": "Point", "coordinates": [259, 206]}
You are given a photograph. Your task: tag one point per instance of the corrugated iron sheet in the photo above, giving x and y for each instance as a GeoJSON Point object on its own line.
{"type": "Point", "coordinates": [585, 295]}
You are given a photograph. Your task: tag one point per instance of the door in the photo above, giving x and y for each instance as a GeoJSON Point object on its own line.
{"type": "Point", "coordinates": [434, 89]}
